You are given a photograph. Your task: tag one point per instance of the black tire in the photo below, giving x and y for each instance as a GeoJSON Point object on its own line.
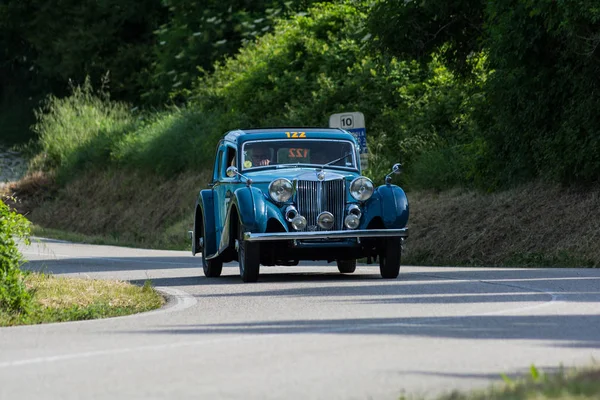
{"type": "Point", "coordinates": [389, 257]}
{"type": "Point", "coordinates": [213, 267]}
{"type": "Point", "coordinates": [248, 257]}
{"type": "Point", "coordinates": [346, 266]}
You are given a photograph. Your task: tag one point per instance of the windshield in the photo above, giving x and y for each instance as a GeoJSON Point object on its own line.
{"type": "Point", "coordinates": [279, 153]}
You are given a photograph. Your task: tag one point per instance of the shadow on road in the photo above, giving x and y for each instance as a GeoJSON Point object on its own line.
{"type": "Point", "coordinates": [578, 331]}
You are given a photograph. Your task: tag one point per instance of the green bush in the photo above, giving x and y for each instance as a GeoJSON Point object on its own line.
{"type": "Point", "coordinates": [78, 132]}
{"type": "Point", "coordinates": [308, 68]}
{"type": "Point", "coordinates": [169, 143]}
{"type": "Point", "coordinates": [538, 113]}
{"type": "Point", "coordinates": [198, 34]}
{"type": "Point", "coordinates": [315, 65]}
{"type": "Point", "coordinates": [14, 297]}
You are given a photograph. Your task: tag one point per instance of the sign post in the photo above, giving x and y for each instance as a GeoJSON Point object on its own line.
{"type": "Point", "coordinates": [353, 122]}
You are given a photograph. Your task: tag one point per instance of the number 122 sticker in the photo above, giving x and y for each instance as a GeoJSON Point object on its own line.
{"type": "Point", "coordinates": [295, 135]}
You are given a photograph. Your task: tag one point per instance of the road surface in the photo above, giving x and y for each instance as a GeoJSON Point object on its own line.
{"type": "Point", "coordinates": [301, 332]}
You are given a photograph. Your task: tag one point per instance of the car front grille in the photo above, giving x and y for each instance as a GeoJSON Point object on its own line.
{"type": "Point", "coordinates": [314, 197]}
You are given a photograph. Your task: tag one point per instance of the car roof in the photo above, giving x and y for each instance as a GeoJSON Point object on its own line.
{"type": "Point", "coordinates": [243, 135]}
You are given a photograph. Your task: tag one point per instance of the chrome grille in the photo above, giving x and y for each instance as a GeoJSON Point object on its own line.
{"type": "Point", "coordinates": [314, 197]}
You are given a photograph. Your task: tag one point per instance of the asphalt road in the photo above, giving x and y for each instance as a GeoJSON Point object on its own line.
{"type": "Point", "coordinates": [301, 332]}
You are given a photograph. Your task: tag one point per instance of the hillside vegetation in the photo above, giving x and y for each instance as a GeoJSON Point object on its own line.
{"type": "Point", "coordinates": [477, 95]}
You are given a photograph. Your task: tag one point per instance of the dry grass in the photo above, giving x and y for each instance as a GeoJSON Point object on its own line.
{"type": "Point", "coordinates": [532, 225]}
{"type": "Point", "coordinates": [28, 193]}
{"type": "Point", "coordinates": [535, 224]}
{"type": "Point", "coordinates": [127, 207]}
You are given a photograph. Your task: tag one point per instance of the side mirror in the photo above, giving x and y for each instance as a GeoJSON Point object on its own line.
{"type": "Point", "coordinates": [231, 171]}
{"type": "Point", "coordinates": [396, 169]}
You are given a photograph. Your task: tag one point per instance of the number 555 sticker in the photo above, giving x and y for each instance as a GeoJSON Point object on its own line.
{"type": "Point", "coordinates": [295, 135]}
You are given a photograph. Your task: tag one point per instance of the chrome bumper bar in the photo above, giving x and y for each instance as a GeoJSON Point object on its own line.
{"type": "Point", "coordinates": [362, 233]}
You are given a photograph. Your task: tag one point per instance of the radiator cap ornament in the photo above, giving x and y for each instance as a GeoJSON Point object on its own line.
{"type": "Point", "coordinates": [321, 175]}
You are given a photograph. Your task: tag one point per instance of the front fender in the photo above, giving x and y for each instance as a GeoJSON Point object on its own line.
{"type": "Point", "coordinates": [389, 202]}
{"type": "Point", "coordinates": [253, 211]}
{"type": "Point", "coordinates": [251, 206]}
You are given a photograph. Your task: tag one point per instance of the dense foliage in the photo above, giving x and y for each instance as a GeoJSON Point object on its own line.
{"type": "Point", "coordinates": [538, 117]}
{"type": "Point", "coordinates": [543, 96]}
{"type": "Point", "coordinates": [471, 92]}
{"type": "Point", "coordinates": [310, 67]}
{"type": "Point", "coordinates": [14, 296]}
{"type": "Point", "coordinates": [49, 43]}
{"type": "Point", "coordinates": [199, 33]}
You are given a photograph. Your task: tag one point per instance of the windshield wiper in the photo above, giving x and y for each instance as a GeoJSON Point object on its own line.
{"type": "Point", "coordinates": [339, 159]}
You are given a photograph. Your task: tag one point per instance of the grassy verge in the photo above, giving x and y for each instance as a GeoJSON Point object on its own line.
{"type": "Point", "coordinates": [58, 299]}
{"type": "Point", "coordinates": [581, 384]}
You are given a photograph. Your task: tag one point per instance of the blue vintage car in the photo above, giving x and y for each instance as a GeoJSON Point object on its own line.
{"type": "Point", "coordinates": [278, 196]}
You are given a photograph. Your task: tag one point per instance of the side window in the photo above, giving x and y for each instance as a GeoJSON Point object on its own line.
{"type": "Point", "coordinates": [218, 166]}
{"type": "Point", "coordinates": [231, 158]}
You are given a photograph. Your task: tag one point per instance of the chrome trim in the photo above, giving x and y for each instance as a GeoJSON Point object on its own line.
{"type": "Point", "coordinates": [314, 197]}
{"type": "Point", "coordinates": [288, 210]}
{"type": "Point", "coordinates": [363, 233]}
{"type": "Point", "coordinates": [354, 209]}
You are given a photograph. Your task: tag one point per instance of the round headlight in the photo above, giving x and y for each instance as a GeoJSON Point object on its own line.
{"type": "Point", "coordinates": [280, 189]}
{"type": "Point", "coordinates": [361, 188]}
{"type": "Point", "coordinates": [299, 222]}
{"type": "Point", "coordinates": [325, 220]}
{"type": "Point", "coordinates": [352, 221]}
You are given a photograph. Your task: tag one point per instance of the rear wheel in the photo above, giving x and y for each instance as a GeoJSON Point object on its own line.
{"type": "Point", "coordinates": [389, 257]}
{"type": "Point", "coordinates": [248, 257]}
{"type": "Point", "coordinates": [213, 267]}
{"type": "Point", "coordinates": [346, 266]}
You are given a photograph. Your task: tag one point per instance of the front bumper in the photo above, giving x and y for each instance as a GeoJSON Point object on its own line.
{"type": "Point", "coordinates": [361, 233]}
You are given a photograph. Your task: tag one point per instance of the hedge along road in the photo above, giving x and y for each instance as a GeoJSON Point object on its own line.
{"type": "Point", "coordinates": [301, 332]}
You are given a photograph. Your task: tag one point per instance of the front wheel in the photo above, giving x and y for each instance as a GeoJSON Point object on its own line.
{"type": "Point", "coordinates": [346, 266]}
{"type": "Point", "coordinates": [248, 257]}
{"type": "Point", "coordinates": [389, 257]}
